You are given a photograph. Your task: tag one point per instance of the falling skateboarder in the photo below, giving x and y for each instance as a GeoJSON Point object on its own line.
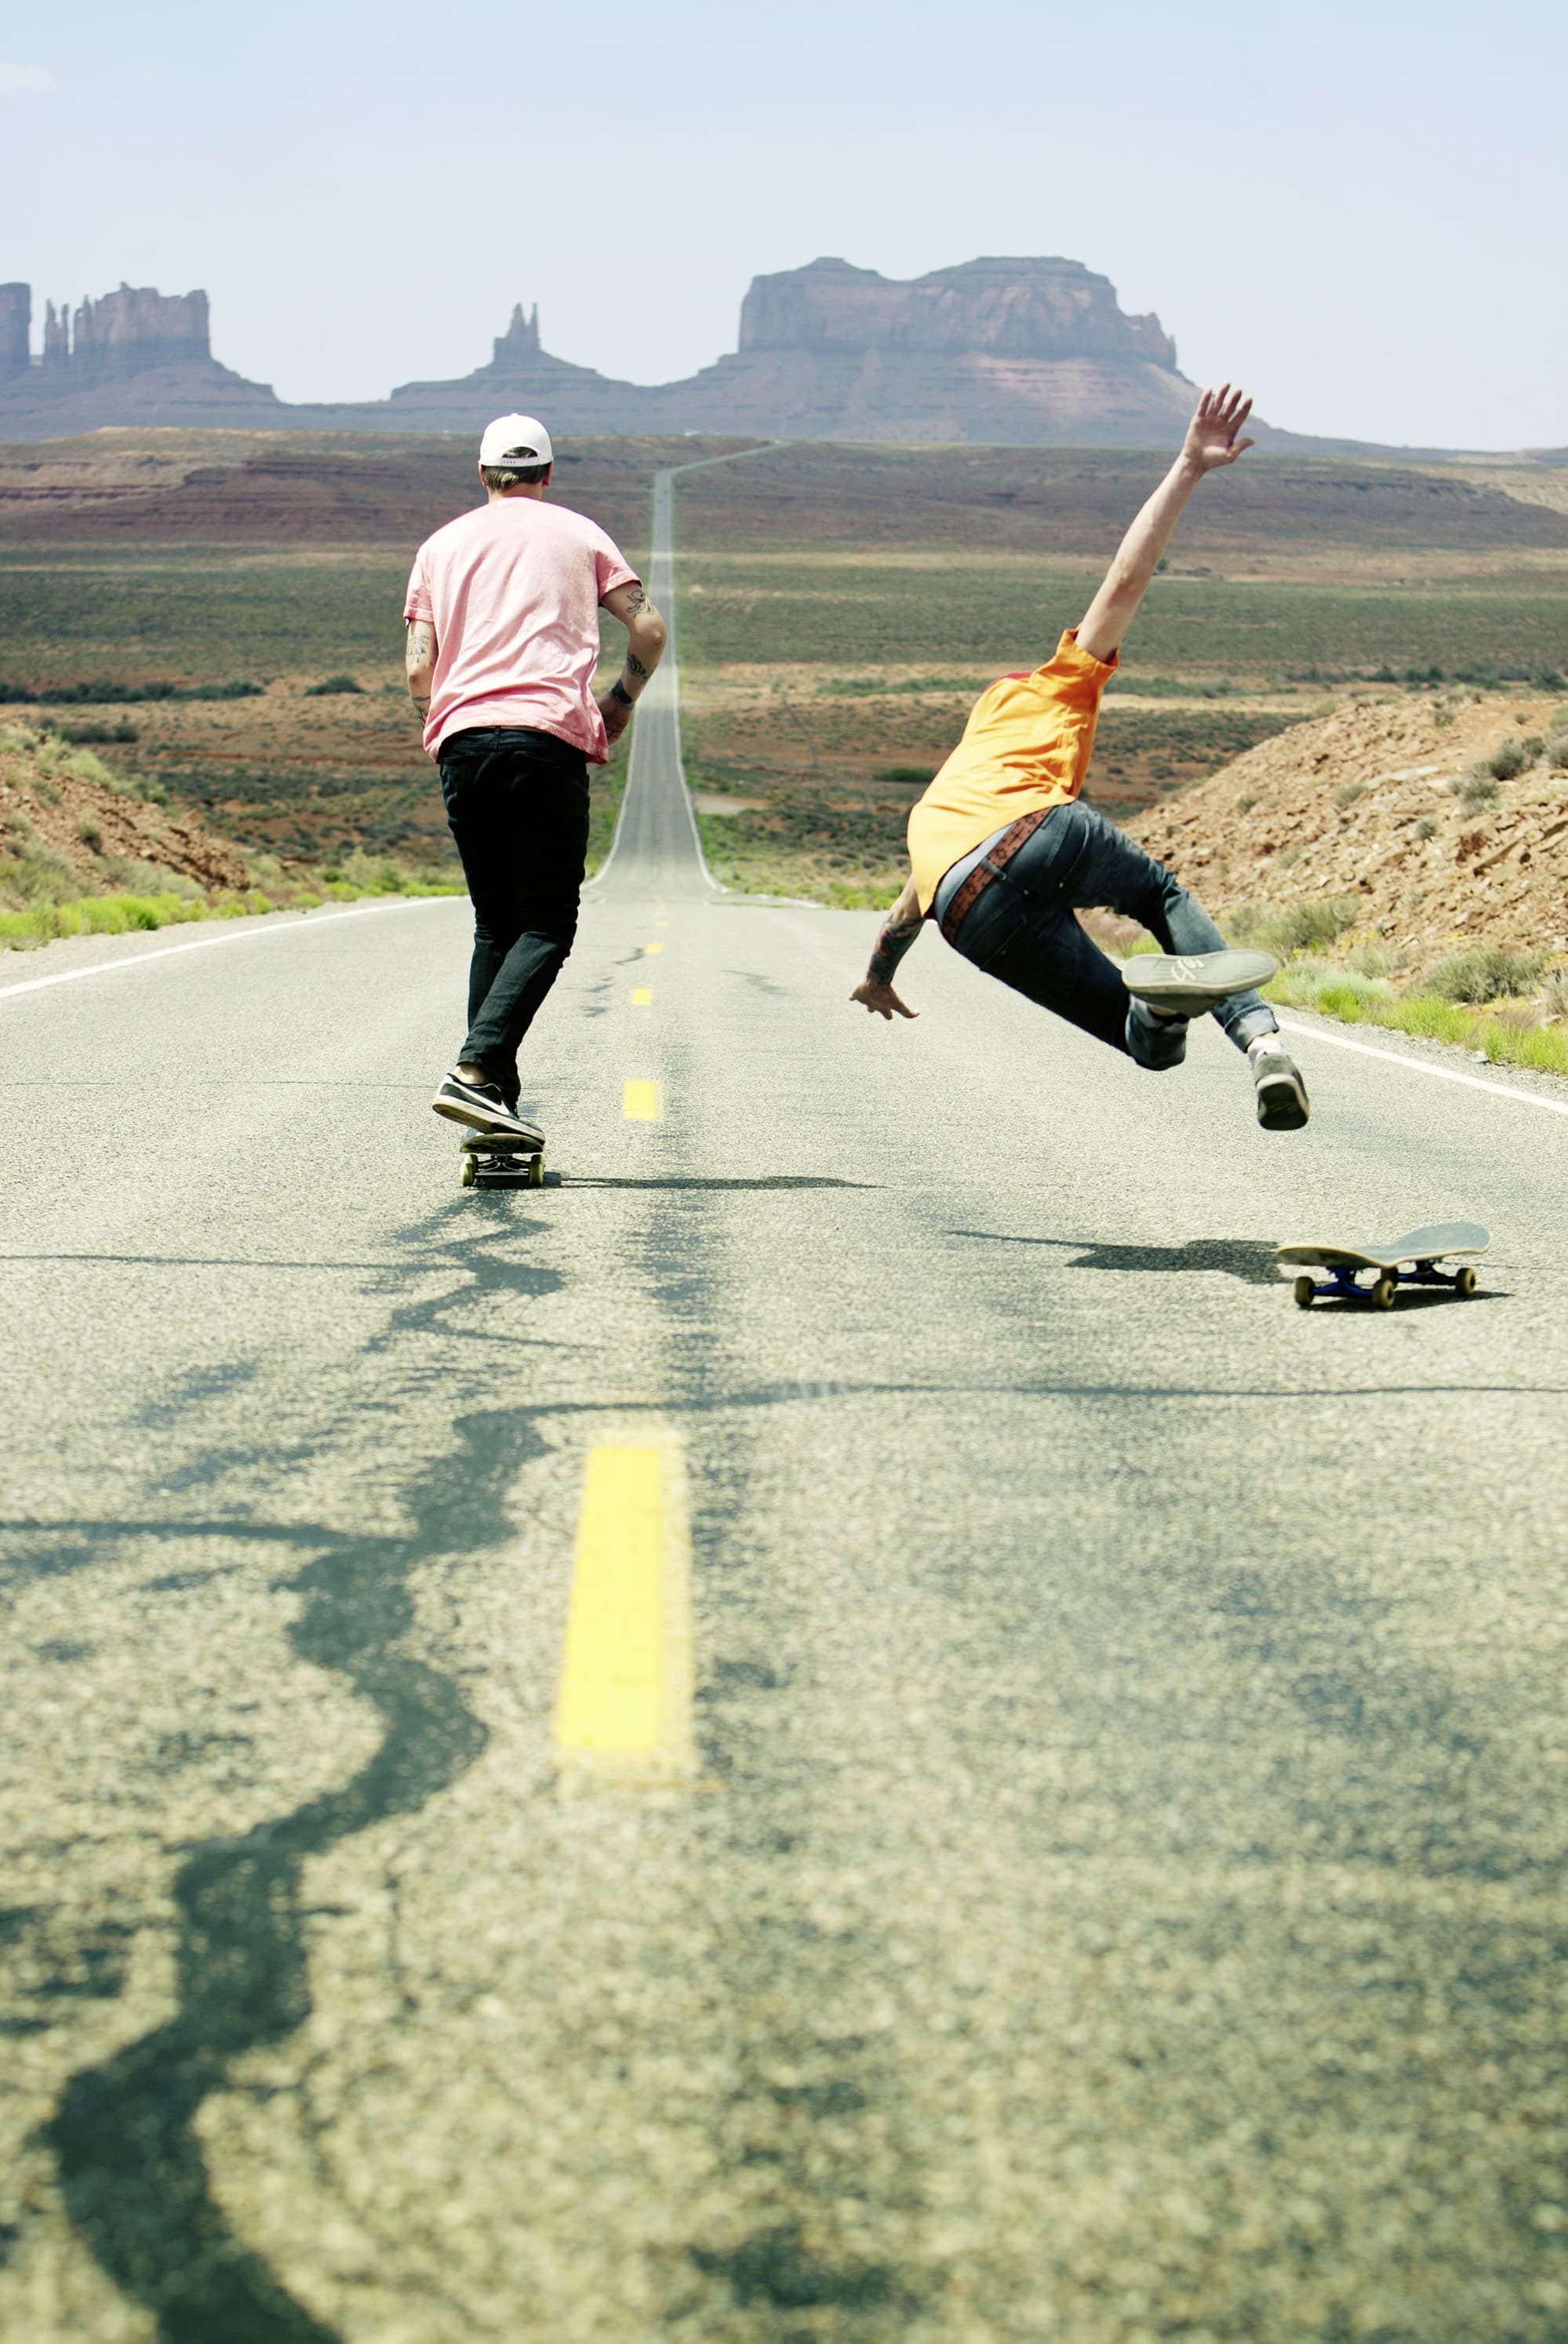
{"type": "Point", "coordinates": [1004, 851]}
{"type": "Point", "coordinates": [502, 612]}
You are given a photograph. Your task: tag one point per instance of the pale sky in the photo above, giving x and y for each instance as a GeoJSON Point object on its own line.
{"type": "Point", "coordinates": [1360, 211]}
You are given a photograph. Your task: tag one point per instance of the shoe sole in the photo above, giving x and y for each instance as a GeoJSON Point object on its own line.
{"type": "Point", "coordinates": [476, 1119]}
{"type": "Point", "coordinates": [1283, 1103]}
{"type": "Point", "coordinates": [1195, 981]}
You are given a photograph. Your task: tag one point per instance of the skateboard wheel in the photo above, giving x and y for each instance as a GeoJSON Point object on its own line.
{"type": "Point", "coordinates": [1465, 1282]}
{"type": "Point", "coordinates": [536, 1171]}
{"type": "Point", "coordinates": [1303, 1289]}
{"type": "Point", "coordinates": [466, 1172]}
{"type": "Point", "coordinates": [1383, 1294]}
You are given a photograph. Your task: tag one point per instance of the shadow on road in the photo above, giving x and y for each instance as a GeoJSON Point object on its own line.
{"type": "Point", "coordinates": [677, 1181]}
{"type": "Point", "coordinates": [125, 2133]}
{"type": "Point", "coordinates": [1247, 1258]}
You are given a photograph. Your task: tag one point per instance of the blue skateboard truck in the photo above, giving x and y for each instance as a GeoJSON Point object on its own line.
{"type": "Point", "coordinates": [1420, 1250]}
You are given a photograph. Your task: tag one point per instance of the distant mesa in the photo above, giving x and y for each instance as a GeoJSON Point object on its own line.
{"type": "Point", "coordinates": [1050, 310]}
{"type": "Point", "coordinates": [126, 334]}
{"type": "Point", "coordinates": [134, 356]}
{"type": "Point", "coordinates": [1031, 351]}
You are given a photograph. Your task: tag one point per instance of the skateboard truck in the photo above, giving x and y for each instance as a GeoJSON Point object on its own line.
{"type": "Point", "coordinates": [1341, 1285]}
{"type": "Point", "coordinates": [497, 1159]}
{"type": "Point", "coordinates": [1422, 1248]}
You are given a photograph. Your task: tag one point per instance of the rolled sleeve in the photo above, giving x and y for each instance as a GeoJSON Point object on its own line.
{"type": "Point", "coordinates": [417, 601]}
{"type": "Point", "coordinates": [610, 565]}
{"type": "Point", "coordinates": [1068, 669]}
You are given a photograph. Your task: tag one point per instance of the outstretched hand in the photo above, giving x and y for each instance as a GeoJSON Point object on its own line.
{"type": "Point", "coordinates": [1211, 439]}
{"type": "Point", "coordinates": [881, 999]}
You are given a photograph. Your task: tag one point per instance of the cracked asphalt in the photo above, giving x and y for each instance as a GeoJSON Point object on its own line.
{"type": "Point", "coordinates": [1123, 1895]}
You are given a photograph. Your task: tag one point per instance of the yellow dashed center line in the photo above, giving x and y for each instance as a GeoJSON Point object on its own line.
{"type": "Point", "coordinates": [625, 1710]}
{"type": "Point", "coordinates": [642, 998]}
{"type": "Point", "coordinates": [652, 948]}
{"type": "Point", "coordinates": [640, 1101]}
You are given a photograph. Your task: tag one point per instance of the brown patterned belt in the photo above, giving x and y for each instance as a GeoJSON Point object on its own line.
{"type": "Point", "coordinates": [983, 874]}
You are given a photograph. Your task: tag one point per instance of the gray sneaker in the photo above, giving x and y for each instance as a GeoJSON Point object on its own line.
{"type": "Point", "coordinates": [1190, 983]}
{"type": "Point", "coordinates": [1281, 1092]}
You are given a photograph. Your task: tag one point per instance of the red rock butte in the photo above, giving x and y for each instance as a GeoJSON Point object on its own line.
{"type": "Point", "coordinates": [1036, 352]}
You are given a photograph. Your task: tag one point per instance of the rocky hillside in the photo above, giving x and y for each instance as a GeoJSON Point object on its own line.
{"type": "Point", "coordinates": [1448, 819]}
{"type": "Point", "coordinates": [69, 830]}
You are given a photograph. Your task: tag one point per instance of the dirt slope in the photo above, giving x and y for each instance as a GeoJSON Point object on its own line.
{"type": "Point", "coordinates": [1373, 801]}
{"type": "Point", "coordinates": [66, 828]}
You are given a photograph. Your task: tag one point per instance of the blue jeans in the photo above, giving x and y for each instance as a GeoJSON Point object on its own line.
{"type": "Point", "coordinates": [1022, 930]}
{"type": "Point", "coordinates": [517, 801]}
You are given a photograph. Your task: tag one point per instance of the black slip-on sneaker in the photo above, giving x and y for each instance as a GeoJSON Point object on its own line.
{"type": "Point", "coordinates": [1281, 1092]}
{"type": "Point", "coordinates": [1190, 983]}
{"type": "Point", "coordinates": [482, 1106]}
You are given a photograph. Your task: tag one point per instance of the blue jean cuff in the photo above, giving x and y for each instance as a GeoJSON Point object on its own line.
{"type": "Point", "coordinates": [1251, 1028]}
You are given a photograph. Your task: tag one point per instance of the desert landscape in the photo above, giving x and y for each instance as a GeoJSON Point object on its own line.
{"type": "Point", "coordinates": [214, 618]}
{"type": "Point", "coordinates": [723, 1626]}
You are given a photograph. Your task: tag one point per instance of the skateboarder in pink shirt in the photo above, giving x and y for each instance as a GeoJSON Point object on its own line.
{"type": "Point", "coordinates": [502, 612]}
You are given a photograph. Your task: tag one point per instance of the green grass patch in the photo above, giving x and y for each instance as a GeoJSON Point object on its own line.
{"type": "Point", "coordinates": [114, 915]}
{"type": "Point", "coordinates": [1296, 928]}
{"type": "Point", "coordinates": [1486, 975]}
{"type": "Point", "coordinates": [1513, 1038]}
{"type": "Point", "coordinates": [1544, 1047]}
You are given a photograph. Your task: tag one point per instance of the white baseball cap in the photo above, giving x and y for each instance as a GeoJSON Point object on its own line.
{"type": "Point", "coordinates": [516, 440]}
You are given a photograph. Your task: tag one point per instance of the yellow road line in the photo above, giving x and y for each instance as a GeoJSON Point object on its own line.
{"type": "Point", "coordinates": [624, 1709]}
{"type": "Point", "coordinates": [652, 948]}
{"type": "Point", "coordinates": [642, 998]}
{"type": "Point", "coordinates": [640, 1102]}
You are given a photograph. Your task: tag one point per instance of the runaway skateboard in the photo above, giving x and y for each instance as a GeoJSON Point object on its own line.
{"type": "Point", "coordinates": [499, 1159]}
{"type": "Point", "coordinates": [1422, 1248]}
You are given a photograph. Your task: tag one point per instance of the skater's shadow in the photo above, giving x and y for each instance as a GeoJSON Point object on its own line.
{"type": "Point", "coordinates": [1247, 1258]}
{"type": "Point", "coordinates": [678, 1181]}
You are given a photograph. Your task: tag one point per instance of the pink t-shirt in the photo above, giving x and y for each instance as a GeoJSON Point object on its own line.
{"type": "Point", "coordinates": [513, 593]}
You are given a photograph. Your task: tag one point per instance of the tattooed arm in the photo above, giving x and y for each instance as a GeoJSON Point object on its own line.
{"type": "Point", "coordinates": [645, 639]}
{"type": "Point", "coordinates": [420, 664]}
{"type": "Point", "coordinates": [896, 933]}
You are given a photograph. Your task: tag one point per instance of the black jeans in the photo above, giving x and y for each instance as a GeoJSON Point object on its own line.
{"type": "Point", "coordinates": [517, 802]}
{"type": "Point", "coordinates": [1022, 930]}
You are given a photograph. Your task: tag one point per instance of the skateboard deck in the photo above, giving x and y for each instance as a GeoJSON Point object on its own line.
{"type": "Point", "coordinates": [499, 1159]}
{"type": "Point", "coordinates": [1422, 1249]}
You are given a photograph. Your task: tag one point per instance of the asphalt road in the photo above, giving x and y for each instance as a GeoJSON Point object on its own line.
{"type": "Point", "coordinates": [1117, 1891]}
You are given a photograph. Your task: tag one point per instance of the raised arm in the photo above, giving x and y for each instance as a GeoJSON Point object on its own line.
{"type": "Point", "coordinates": [1210, 442]}
{"type": "Point", "coordinates": [646, 636]}
{"type": "Point", "coordinates": [420, 664]}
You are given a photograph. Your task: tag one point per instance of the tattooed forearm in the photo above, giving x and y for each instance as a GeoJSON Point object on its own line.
{"type": "Point", "coordinates": [896, 934]}
{"type": "Point", "coordinates": [634, 665]}
{"type": "Point", "coordinates": [419, 660]}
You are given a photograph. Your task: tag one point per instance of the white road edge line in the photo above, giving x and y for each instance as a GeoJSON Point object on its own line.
{"type": "Point", "coordinates": [230, 936]}
{"type": "Point", "coordinates": [1425, 1066]}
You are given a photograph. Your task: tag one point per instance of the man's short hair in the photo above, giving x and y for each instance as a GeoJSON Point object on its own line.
{"type": "Point", "coordinates": [511, 476]}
